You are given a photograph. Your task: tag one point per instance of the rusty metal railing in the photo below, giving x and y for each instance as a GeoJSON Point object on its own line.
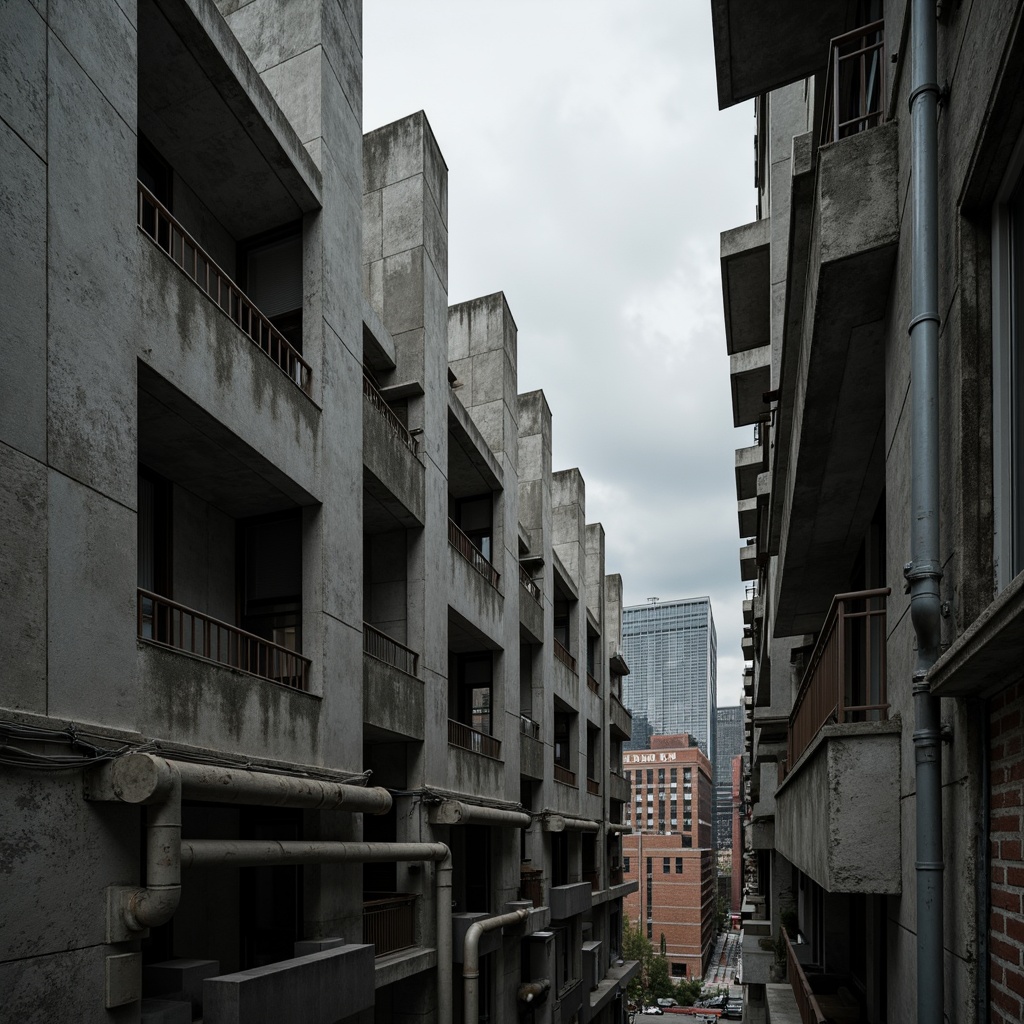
{"type": "Point", "coordinates": [381, 407]}
{"type": "Point", "coordinates": [810, 1011]}
{"type": "Point", "coordinates": [528, 727]}
{"type": "Point", "coordinates": [565, 657]}
{"type": "Point", "coordinates": [855, 83]}
{"type": "Point", "coordinates": [472, 554]}
{"type": "Point", "coordinates": [389, 921]}
{"type": "Point", "coordinates": [462, 735]}
{"type": "Point", "coordinates": [528, 583]}
{"type": "Point", "coordinates": [593, 786]}
{"type": "Point", "coordinates": [169, 624]}
{"type": "Point", "coordinates": [844, 680]}
{"type": "Point", "coordinates": [531, 885]}
{"type": "Point", "coordinates": [564, 776]}
{"type": "Point", "coordinates": [593, 684]}
{"type": "Point", "coordinates": [388, 650]}
{"type": "Point", "coordinates": [158, 223]}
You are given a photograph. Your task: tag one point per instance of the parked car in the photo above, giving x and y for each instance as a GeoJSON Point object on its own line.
{"type": "Point", "coordinates": [667, 1002]}
{"type": "Point", "coordinates": [653, 1011]}
{"type": "Point", "coordinates": [733, 1010]}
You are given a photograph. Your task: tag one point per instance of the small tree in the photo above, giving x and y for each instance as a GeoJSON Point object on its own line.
{"type": "Point", "coordinates": [688, 991]}
{"type": "Point", "coordinates": [636, 946]}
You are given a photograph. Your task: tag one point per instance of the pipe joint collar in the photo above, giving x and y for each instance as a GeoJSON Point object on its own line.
{"type": "Point", "coordinates": [924, 87]}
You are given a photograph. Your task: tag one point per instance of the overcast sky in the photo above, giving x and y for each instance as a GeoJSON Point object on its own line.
{"type": "Point", "coordinates": [589, 175]}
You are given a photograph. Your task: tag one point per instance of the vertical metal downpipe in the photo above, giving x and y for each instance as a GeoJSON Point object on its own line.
{"type": "Point", "coordinates": [924, 570]}
{"type": "Point", "coordinates": [983, 858]}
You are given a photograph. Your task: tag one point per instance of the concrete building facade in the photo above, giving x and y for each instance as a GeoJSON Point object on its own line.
{"type": "Point", "coordinates": [310, 695]}
{"type": "Point", "coordinates": [672, 649]}
{"type": "Point", "coordinates": [894, 899]}
{"type": "Point", "coordinates": [670, 853]}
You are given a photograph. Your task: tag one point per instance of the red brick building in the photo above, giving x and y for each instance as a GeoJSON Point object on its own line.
{"type": "Point", "coordinates": [671, 852]}
{"type": "Point", "coordinates": [737, 834]}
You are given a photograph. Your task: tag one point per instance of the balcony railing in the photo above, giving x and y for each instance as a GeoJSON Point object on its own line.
{"type": "Point", "coordinates": [156, 221]}
{"type": "Point", "coordinates": [389, 921]}
{"type": "Point", "coordinates": [169, 624]}
{"type": "Point", "coordinates": [593, 786]}
{"type": "Point", "coordinates": [855, 83]}
{"type": "Point", "coordinates": [528, 727]}
{"type": "Point", "coordinates": [472, 554]}
{"type": "Point", "coordinates": [564, 775]}
{"type": "Point", "coordinates": [528, 583]}
{"type": "Point", "coordinates": [592, 683]}
{"type": "Point", "coordinates": [565, 657]}
{"type": "Point", "coordinates": [845, 676]}
{"type": "Point", "coordinates": [531, 885]}
{"type": "Point", "coordinates": [384, 648]}
{"type": "Point", "coordinates": [381, 407]}
{"type": "Point", "coordinates": [810, 1012]}
{"type": "Point", "coordinates": [461, 735]}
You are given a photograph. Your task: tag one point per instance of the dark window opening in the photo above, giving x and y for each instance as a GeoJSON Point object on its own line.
{"type": "Point", "coordinates": [475, 518]}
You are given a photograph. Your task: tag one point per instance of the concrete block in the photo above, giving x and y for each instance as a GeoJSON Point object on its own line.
{"type": "Point", "coordinates": [180, 976]}
{"type": "Point", "coordinates": [319, 988]}
{"type": "Point", "coordinates": [307, 946]}
{"type": "Point", "coordinates": [569, 900]}
{"type": "Point", "coordinates": [296, 85]}
{"type": "Point", "coordinates": [123, 979]}
{"type": "Point", "coordinates": [166, 1011]}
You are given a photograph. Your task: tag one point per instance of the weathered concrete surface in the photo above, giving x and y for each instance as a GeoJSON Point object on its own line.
{"type": "Point", "coordinates": [838, 811]}
{"type": "Point", "coordinates": [392, 700]}
{"type": "Point", "coordinates": [745, 285]}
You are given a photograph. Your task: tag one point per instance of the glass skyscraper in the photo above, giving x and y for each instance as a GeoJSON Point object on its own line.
{"type": "Point", "coordinates": [671, 649]}
{"type": "Point", "coordinates": [728, 744]}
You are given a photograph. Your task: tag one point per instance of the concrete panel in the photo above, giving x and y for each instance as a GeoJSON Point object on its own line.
{"type": "Point", "coordinates": [191, 701]}
{"type": "Point", "coordinates": [392, 700]}
{"type": "Point", "coordinates": [23, 84]}
{"type": "Point", "coordinates": [475, 774]}
{"type": "Point", "coordinates": [46, 826]}
{"type": "Point", "coordinates": [531, 757]}
{"type": "Point", "coordinates": [65, 986]}
{"type": "Point", "coordinates": [23, 543]}
{"type": "Point", "coordinates": [844, 791]}
{"type": "Point", "coordinates": [23, 256]}
{"type": "Point", "coordinates": [398, 483]}
{"type": "Point", "coordinates": [91, 604]}
{"type": "Point", "coordinates": [104, 45]}
{"type": "Point", "coordinates": [91, 359]}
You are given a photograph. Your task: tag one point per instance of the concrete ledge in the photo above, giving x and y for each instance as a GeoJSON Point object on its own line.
{"type": "Point", "coordinates": [570, 900]}
{"type": "Point", "coordinates": [745, 258]}
{"type": "Point", "coordinates": [317, 989]}
{"type": "Point", "coordinates": [986, 656]}
{"type": "Point", "coordinates": [782, 1007]}
{"type": "Point", "coordinates": [614, 892]}
{"type": "Point", "coordinates": [837, 812]}
{"type": "Point", "coordinates": [402, 964]}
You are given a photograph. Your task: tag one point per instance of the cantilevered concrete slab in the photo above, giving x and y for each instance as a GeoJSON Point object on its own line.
{"type": "Point", "coordinates": [746, 259]}
{"type": "Point", "coordinates": [837, 814]}
{"type": "Point", "coordinates": [748, 561]}
{"type": "Point", "coordinates": [760, 46]}
{"type": "Point", "coordinates": [750, 376]}
{"type": "Point", "coordinates": [836, 471]}
{"type": "Point", "coordinates": [749, 463]}
{"type": "Point", "coordinates": [746, 511]}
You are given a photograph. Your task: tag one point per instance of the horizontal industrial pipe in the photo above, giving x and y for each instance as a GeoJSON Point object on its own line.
{"type": "Point", "coordinates": [566, 823]}
{"type": "Point", "coordinates": [251, 853]}
{"type": "Point", "coordinates": [143, 778]}
{"type": "Point", "coordinates": [457, 812]}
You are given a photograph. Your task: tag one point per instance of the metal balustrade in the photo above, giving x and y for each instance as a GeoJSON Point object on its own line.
{"type": "Point", "coordinates": [472, 554]}
{"type": "Point", "coordinates": [845, 678]}
{"type": "Point", "coordinates": [564, 775]}
{"type": "Point", "coordinates": [169, 624]}
{"type": "Point", "coordinates": [462, 735]}
{"type": "Point", "coordinates": [593, 787]}
{"type": "Point", "coordinates": [528, 727]}
{"type": "Point", "coordinates": [593, 684]}
{"type": "Point", "coordinates": [562, 655]}
{"type": "Point", "coordinates": [158, 223]}
{"type": "Point", "coordinates": [855, 83]}
{"type": "Point", "coordinates": [529, 584]}
{"type": "Point", "coordinates": [381, 407]}
{"type": "Point", "coordinates": [389, 921]}
{"type": "Point", "coordinates": [384, 648]}
{"type": "Point", "coordinates": [810, 1011]}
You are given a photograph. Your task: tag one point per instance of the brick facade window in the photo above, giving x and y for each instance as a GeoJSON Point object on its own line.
{"type": "Point", "coordinates": [679, 865]}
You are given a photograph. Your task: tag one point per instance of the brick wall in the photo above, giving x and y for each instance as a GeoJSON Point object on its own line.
{"type": "Point", "coordinates": [1006, 939]}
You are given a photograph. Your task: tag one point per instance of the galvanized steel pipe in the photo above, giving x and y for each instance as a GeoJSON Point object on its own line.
{"type": "Point", "coordinates": [924, 570]}
{"type": "Point", "coordinates": [471, 959]}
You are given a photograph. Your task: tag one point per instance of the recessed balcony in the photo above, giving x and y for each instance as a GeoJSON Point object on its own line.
{"type": "Point", "coordinates": [393, 698]}
{"type": "Point", "coordinates": [842, 779]}
{"type": "Point", "coordinates": [468, 738]}
{"type": "Point", "coordinates": [160, 226]}
{"type": "Point", "coordinates": [389, 921]}
{"type": "Point", "coordinates": [472, 554]}
{"type": "Point", "coordinates": [749, 464]}
{"type": "Point", "coordinates": [166, 623]}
